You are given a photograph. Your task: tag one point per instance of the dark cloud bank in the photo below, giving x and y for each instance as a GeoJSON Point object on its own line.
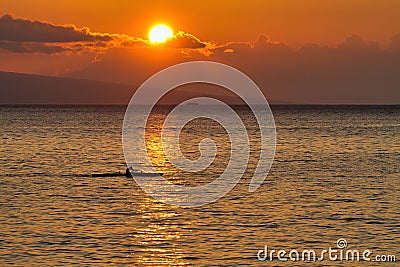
{"type": "Point", "coordinates": [20, 35]}
{"type": "Point", "coordinates": [25, 30]}
{"type": "Point", "coordinates": [353, 72]}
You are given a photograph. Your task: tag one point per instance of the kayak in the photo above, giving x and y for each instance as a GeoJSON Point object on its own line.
{"type": "Point", "coordinates": [126, 174]}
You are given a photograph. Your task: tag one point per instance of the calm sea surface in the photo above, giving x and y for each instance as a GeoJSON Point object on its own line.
{"type": "Point", "coordinates": [335, 175]}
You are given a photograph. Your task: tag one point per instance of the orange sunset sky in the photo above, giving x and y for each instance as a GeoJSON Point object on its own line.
{"type": "Point", "coordinates": [311, 51]}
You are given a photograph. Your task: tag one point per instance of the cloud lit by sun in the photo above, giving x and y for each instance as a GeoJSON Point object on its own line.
{"type": "Point", "coordinates": [160, 33]}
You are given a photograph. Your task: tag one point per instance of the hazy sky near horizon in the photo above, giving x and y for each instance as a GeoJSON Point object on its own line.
{"type": "Point", "coordinates": [346, 49]}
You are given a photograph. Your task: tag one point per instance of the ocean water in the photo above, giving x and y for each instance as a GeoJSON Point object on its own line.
{"type": "Point", "coordinates": [335, 175]}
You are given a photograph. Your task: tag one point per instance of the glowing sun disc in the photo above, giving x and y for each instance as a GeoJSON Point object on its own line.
{"type": "Point", "coordinates": [160, 33]}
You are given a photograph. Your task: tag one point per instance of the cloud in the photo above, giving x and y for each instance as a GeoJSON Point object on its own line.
{"type": "Point", "coordinates": [41, 48]}
{"type": "Point", "coordinates": [185, 40]}
{"type": "Point", "coordinates": [26, 30]}
{"type": "Point", "coordinates": [19, 35]}
{"type": "Point", "coordinates": [262, 44]}
{"type": "Point", "coordinates": [189, 43]}
{"type": "Point", "coordinates": [55, 48]}
{"type": "Point", "coordinates": [357, 42]}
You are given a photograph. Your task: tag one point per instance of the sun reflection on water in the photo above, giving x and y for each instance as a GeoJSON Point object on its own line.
{"type": "Point", "coordinates": [158, 235]}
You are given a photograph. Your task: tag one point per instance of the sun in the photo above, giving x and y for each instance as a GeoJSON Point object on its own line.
{"type": "Point", "coordinates": [160, 33]}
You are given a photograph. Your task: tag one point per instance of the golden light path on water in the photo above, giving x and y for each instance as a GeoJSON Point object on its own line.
{"type": "Point", "coordinates": [334, 176]}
